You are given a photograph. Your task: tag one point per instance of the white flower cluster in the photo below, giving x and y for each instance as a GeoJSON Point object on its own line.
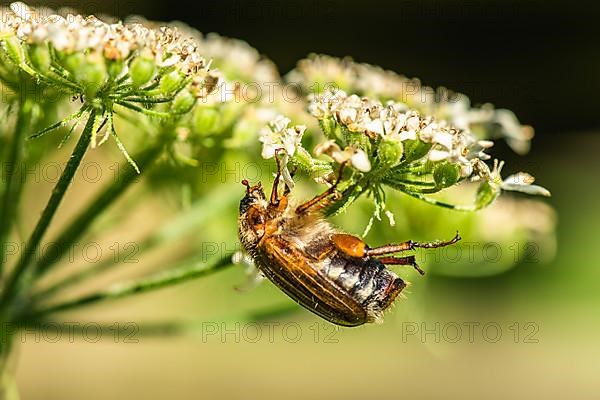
{"type": "Point", "coordinates": [235, 57]}
{"type": "Point", "coordinates": [279, 135]}
{"type": "Point", "coordinates": [393, 121]}
{"type": "Point", "coordinates": [115, 41]}
{"type": "Point", "coordinates": [357, 157]}
{"type": "Point", "coordinates": [375, 82]}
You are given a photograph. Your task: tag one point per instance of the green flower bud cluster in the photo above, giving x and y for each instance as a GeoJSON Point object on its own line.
{"type": "Point", "coordinates": [131, 68]}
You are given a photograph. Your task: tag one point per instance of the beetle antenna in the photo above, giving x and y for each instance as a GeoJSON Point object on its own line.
{"type": "Point", "coordinates": [245, 183]}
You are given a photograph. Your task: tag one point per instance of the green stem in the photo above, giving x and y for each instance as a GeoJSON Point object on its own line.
{"type": "Point", "coordinates": [87, 272]}
{"type": "Point", "coordinates": [8, 361]}
{"type": "Point", "coordinates": [85, 219]}
{"type": "Point", "coordinates": [167, 328]}
{"type": "Point", "coordinates": [192, 270]}
{"type": "Point", "coordinates": [124, 330]}
{"type": "Point", "coordinates": [189, 221]}
{"type": "Point", "coordinates": [429, 200]}
{"type": "Point", "coordinates": [12, 183]}
{"type": "Point", "coordinates": [45, 219]}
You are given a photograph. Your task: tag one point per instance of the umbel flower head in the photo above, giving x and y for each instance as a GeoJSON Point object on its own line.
{"type": "Point", "coordinates": [157, 72]}
{"type": "Point", "coordinates": [392, 145]}
{"type": "Point", "coordinates": [247, 96]}
{"type": "Point", "coordinates": [393, 124]}
{"type": "Point", "coordinates": [317, 73]}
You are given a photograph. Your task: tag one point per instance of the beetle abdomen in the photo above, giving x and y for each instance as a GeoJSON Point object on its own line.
{"type": "Point", "coordinates": [366, 279]}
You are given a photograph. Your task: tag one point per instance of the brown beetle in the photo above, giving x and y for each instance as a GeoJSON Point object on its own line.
{"type": "Point", "coordinates": [335, 275]}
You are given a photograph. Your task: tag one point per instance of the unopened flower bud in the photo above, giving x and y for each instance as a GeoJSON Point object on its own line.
{"type": "Point", "coordinates": [390, 152]}
{"type": "Point", "coordinates": [141, 70]}
{"type": "Point", "coordinates": [115, 68]}
{"type": "Point", "coordinates": [170, 82]}
{"type": "Point", "coordinates": [206, 120]}
{"type": "Point", "coordinates": [184, 101]}
{"type": "Point", "coordinates": [446, 174]}
{"type": "Point", "coordinates": [40, 57]}
{"type": "Point", "coordinates": [92, 74]}
{"type": "Point", "coordinates": [14, 50]}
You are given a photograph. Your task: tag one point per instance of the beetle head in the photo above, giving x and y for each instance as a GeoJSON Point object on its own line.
{"type": "Point", "coordinates": [254, 196]}
{"type": "Point", "coordinates": [253, 215]}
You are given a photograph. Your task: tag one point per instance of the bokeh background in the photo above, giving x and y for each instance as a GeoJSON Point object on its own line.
{"type": "Point", "coordinates": [540, 59]}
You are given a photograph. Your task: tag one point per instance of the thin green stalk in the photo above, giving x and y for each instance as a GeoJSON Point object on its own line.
{"type": "Point", "coordinates": [128, 331]}
{"type": "Point", "coordinates": [94, 209]}
{"type": "Point", "coordinates": [429, 200]}
{"type": "Point", "coordinates": [134, 330]}
{"type": "Point", "coordinates": [85, 273]}
{"type": "Point", "coordinates": [12, 182]}
{"type": "Point", "coordinates": [192, 270]}
{"type": "Point", "coordinates": [45, 219]}
{"type": "Point", "coordinates": [187, 222]}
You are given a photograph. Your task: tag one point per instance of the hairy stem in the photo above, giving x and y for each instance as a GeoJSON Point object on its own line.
{"type": "Point", "coordinates": [12, 283]}
{"type": "Point", "coordinates": [94, 209]}
{"type": "Point", "coordinates": [188, 271]}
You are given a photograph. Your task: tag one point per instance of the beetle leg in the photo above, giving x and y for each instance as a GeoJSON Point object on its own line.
{"type": "Point", "coordinates": [317, 201]}
{"type": "Point", "coordinates": [287, 189]}
{"type": "Point", "coordinates": [274, 190]}
{"type": "Point", "coordinates": [410, 260]}
{"type": "Point", "coordinates": [409, 245]}
{"type": "Point", "coordinates": [349, 245]}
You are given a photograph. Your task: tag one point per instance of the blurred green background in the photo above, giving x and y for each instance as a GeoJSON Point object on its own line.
{"type": "Point", "coordinates": [539, 59]}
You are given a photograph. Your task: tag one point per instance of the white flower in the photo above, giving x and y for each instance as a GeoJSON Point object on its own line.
{"type": "Point", "coordinates": [270, 141]}
{"type": "Point", "coordinates": [373, 126]}
{"type": "Point", "coordinates": [407, 135]}
{"type": "Point", "coordinates": [357, 157]}
{"type": "Point", "coordinates": [522, 182]}
{"type": "Point", "coordinates": [413, 122]}
{"type": "Point", "coordinates": [519, 182]}
{"type": "Point", "coordinates": [271, 136]}
{"type": "Point", "coordinates": [442, 138]}
{"type": "Point", "coordinates": [292, 138]}
{"type": "Point", "coordinates": [517, 136]}
{"type": "Point", "coordinates": [360, 161]}
{"type": "Point", "coordinates": [438, 155]}
{"type": "Point", "coordinates": [277, 135]}
{"type": "Point", "coordinates": [279, 123]}
{"type": "Point", "coordinates": [347, 115]}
